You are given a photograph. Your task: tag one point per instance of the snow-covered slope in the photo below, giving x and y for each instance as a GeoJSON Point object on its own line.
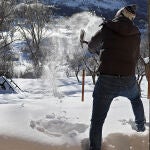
{"type": "Point", "coordinates": [106, 8]}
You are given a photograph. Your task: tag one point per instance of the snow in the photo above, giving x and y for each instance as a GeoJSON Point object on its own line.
{"type": "Point", "coordinates": [146, 60]}
{"type": "Point", "coordinates": [61, 38]}
{"type": "Point", "coordinates": [36, 115]}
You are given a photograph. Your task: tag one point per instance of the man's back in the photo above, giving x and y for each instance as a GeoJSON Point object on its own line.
{"type": "Point", "coordinates": [121, 44]}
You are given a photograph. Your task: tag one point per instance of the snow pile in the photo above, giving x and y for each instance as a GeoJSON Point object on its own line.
{"type": "Point", "coordinates": [58, 128]}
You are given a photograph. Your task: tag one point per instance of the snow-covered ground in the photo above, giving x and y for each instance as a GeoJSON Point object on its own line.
{"type": "Point", "coordinates": [36, 120]}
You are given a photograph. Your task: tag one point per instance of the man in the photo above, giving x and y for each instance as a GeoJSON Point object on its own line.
{"type": "Point", "coordinates": [120, 41]}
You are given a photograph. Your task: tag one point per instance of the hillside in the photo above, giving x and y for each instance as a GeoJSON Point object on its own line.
{"type": "Point", "coordinates": [106, 8]}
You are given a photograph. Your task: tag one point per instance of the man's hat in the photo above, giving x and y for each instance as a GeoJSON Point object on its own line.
{"type": "Point", "coordinates": [127, 11]}
{"type": "Point", "coordinates": [131, 8]}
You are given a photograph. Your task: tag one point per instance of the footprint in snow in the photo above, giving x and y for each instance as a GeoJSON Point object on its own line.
{"type": "Point", "coordinates": [58, 127]}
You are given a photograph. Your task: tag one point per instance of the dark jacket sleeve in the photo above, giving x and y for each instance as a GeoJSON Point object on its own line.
{"type": "Point", "coordinates": [138, 46]}
{"type": "Point", "coordinates": [95, 44]}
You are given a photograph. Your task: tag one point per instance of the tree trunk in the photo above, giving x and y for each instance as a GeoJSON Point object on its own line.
{"type": "Point", "coordinates": [93, 78]}
{"type": "Point", "coordinates": [76, 73]}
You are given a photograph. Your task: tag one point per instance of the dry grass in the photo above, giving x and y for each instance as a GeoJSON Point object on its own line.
{"type": "Point", "coordinates": [115, 141]}
{"type": "Point", "coordinates": [10, 143]}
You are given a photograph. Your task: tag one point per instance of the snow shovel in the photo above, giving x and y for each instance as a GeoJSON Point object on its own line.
{"type": "Point", "coordinates": [83, 83]}
{"type": "Point", "coordinates": [82, 41]}
{"type": "Point", "coordinates": [148, 89]}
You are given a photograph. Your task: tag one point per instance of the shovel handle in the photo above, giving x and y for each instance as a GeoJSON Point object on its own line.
{"type": "Point", "coordinates": [83, 82]}
{"type": "Point", "coordinates": [148, 95]}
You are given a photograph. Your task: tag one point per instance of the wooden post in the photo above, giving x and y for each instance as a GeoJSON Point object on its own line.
{"type": "Point", "coordinates": [148, 95]}
{"type": "Point", "coordinates": [148, 78]}
{"type": "Point", "coordinates": [83, 82]}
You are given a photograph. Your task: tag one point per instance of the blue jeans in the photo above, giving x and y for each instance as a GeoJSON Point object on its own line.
{"type": "Point", "coordinates": [107, 88]}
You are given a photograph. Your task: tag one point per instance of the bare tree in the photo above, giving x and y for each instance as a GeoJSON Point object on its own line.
{"type": "Point", "coordinates": [92, 64]}
{"type": "Point", "coordinates": [142, 67]}
{"type": "Point", "coordinates": [6, 22]}
{"type": "Point", "coordinates": [32, 29]}
{"type": "Point", "coordinates": [81, 61]}
{"type": "Point", "coordinates": [140, 70]}
{"type": "Point", "coordinates": [7, 30]}
{"type": "Point", "coordinates": [75, 64]}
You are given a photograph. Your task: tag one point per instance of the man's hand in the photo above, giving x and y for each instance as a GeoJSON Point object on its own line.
{"type": "Point", "coordinates": [82, 35]}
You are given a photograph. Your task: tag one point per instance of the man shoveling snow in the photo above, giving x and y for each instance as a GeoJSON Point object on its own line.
{"type": "Point", "coordinates": [120, 41]}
